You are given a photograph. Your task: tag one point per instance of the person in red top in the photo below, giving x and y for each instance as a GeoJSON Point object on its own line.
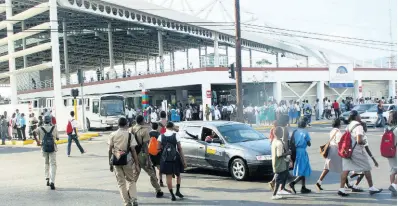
{"type": "Point", "coordinates": [336, 108]}
{"type": "Point", "coordinates": [211, 137]}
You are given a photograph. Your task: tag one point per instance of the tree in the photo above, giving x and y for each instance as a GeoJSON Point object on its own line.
{"type": "Point", "coordinates": [263, 62]}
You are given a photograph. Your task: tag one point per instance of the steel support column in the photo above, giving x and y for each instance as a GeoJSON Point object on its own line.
{"type": "Point", "coordinates": [216, 51]}
{"type": "Point", "coordinates": [277, 60]}
{"type": "Point", "coordinates": [226, 54]}
{"type": "Point", "coordinates": [206, 97]}
{"type": "Point", "coordinates": [307, 64]}
{"type": "Point", "coordinates": [111, 58]}
{"type": "Point", "coordinates": [392, 92]}
{"type": "Point", "coordinates": [147, 63]}
{"type": "Point", "coordinates": [200, 58]}
{"type": "Point", "coordinates": [277, 91]}
{"type": "Point", "coordinates": [320, 94]}
{"type": "Point", "coordinates": [11, 49]}
{"type": "Point", "coordinates": [187, 55]}
{"type": "Point", "coordinates": [161, 52]}
{"type": "Point", "coordinates": [25, 58]}
{"type": "Point", "coordinates": [357, 90]}
{"type": "Point", "coordinates": [58, 106]}
{"type": "Point", "coordinates": [250, 58]}
{"type": "Point", "coordinates": [66, 56]}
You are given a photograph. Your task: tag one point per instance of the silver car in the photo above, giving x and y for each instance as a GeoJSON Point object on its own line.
{"type": "Point", "coordinates": [236, 148]}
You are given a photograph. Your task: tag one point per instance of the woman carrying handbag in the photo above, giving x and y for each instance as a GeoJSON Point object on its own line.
{"type": "Point", "coordinates": [333, 161]}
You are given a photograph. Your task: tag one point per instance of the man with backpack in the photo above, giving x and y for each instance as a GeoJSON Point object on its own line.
{"type": "Point", "coordinates": [48, 135]}
{"type": "Point", "coordinates": [121, 156]}
{"type": "Point", "coordinates": [141, 135]}
{"type": "Point", "coordinates": [72, 134]}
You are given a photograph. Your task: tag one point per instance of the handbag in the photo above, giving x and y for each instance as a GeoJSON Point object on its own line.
{"type": "Point", "coordinates": [120, 159]}
{"type": "Point", "coordinates": [324, 149]}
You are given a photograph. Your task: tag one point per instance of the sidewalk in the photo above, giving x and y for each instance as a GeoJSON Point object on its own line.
{"type": "Point", "coordinates": [317, 122]}
{"type": "Point", "coordinates": [63, 138]}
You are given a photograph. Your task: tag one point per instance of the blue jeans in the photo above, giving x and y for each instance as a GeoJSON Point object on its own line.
{"type": "Point", "coordinates": [3, 137]}
{"type": "Point", "coordinates": [308, 118]}
{"type": "Point", "coordinates": [76, 139]}
{"type": "Point", "coordinates": [380, 120]}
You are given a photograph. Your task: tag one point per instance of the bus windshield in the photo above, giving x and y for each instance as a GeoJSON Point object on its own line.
{"type": "Point", "coordinates": [112, 106]}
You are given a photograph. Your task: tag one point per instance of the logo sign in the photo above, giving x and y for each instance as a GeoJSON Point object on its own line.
{"type": "Point", "coordinates": [341, 75]}
{"type": "Point", "coordinates": [208, 93]}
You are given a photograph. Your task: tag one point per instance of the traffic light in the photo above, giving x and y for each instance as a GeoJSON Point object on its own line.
{"type": "Point", "coordinates": [231, 71]}
{"type": "Point", "coordinates": [74, 93]}
{"type": "Point", "coordinates": [80, 76]}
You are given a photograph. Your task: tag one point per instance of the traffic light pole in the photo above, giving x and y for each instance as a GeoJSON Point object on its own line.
{"type": "Point", "coordinates": [238, 66]}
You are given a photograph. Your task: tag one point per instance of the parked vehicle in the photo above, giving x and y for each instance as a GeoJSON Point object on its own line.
{"type": "Point", "coordinates": [360, 108]}
{"type": "Point", "coordinates": [236, 148]}
{"type": "Point", "coordinates": [370, 117]}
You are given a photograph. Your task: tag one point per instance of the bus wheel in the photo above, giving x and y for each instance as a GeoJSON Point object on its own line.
{"type": "Point", "coordinates": [88, 125]}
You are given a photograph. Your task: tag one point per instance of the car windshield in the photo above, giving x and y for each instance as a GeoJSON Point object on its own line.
{"type": "Point", "coordinates": [362, 107]}
{"type": "Point", "coordinates": [239, 133]}
{"type": "Point", "coordinates": [112, 107]}
{"type": "Point", "coordinates": [374, 108]}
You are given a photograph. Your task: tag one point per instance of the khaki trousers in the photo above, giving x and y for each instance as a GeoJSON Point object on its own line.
{"type": "Point", "coordinates": [125, 174]}
{"type": "Point", "coordinates": [146, 165]}
{"type": "Point", "coordinates": [50, 167]}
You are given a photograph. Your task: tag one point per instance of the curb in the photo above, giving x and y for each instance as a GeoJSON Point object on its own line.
{"type": "Point", "coordinates": [292, 125]}
{"type": "Point", "coordinates": [82, 137]}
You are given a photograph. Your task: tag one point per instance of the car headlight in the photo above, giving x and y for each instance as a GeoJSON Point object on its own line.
{"type": "Point", "coordinates": [264, 157]}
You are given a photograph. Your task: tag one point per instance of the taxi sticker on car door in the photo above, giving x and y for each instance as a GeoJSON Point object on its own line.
{"type": "Point", "coordinates": [211, 150]}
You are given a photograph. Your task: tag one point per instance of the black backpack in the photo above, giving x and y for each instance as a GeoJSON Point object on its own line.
{"type": "Point", "coordinates": [48, 143]}
{"type": "Point", "coordinates": [169, 145]}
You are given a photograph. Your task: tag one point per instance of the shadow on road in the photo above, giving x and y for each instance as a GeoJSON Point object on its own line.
{"type": "Point", "coordinates": [13, 150]}
{"type": "Point", "coordinates": [220, 175]}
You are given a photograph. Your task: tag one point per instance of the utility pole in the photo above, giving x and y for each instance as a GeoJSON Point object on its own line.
{"type": "Point", "coordinates": [238, 64]}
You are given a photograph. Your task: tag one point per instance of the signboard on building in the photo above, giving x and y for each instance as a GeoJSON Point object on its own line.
{"type": "Point", "coordinates": [341, 75]}
{"type": "Point", "coordinates": [208, 93]}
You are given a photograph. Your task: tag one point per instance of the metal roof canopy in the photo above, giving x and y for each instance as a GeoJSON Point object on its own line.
{"type": "Point", "coordinates": [134, 33]}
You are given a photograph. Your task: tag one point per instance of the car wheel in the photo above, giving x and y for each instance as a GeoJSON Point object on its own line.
{"type": "Point", "coordinates": [88, 125]}
{"type": "Point", "coordinates": [238, 169]}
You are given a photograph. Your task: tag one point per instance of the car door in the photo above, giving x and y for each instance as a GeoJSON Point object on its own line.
{"type": "Point", "coordinates": [190, 145]}
{"type": "Point", "coordinates": [215, 154]}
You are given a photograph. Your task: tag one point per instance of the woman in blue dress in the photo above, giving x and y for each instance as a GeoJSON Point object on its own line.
{"type": "Point", "coordinates": [302, 168]}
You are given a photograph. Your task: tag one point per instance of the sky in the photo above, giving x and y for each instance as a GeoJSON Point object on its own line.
{"type": "Point", "coordinates": [365, 19]}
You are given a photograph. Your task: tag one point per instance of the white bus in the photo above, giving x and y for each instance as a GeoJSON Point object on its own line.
{"type": "Point", "coordinates": [102, 111]}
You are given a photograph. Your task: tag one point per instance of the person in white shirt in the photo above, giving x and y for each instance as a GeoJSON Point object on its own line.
{"type": "Point", "coordinates": [130, 116]}
{"type": "Point", "coordinates": [154, 117]}
{"type": "Point", "coordinates": [172, 138]}
{"type": "Point", "coordinates": [217, 114]}
{"type": "Point", "coordinates": [188, 114]}
{"type": "Point", "coordinates": [73, 136]}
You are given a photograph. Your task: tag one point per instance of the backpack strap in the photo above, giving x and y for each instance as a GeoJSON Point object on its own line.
{"type": "Point", "coordinates": [128, 143]}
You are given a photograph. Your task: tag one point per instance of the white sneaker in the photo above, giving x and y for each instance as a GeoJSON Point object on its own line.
{"type": "Point", "coordinates": [276, 197]}
{"type": "Point", "coordinates": [283, 192]}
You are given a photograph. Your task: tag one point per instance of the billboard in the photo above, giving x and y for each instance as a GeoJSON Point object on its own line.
{"type": "Point", "coordinates": [341, 75]}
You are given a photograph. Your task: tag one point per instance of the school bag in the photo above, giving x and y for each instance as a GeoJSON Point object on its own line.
{"type": "Point", "coordinates": [387, 147]}
{"type": "Point", "coordinates": [153, 146]}
{"type": "Point", "coordinates": [69, 128]}
{"type": "Point", "coordinates": [48, 143]}
{"type": "Point", "coordinates": [169, 153]}
{"type": "Point", "coordinates": [345, 148]}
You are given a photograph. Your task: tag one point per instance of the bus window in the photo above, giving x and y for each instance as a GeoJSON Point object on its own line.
{"type": "Point", "coordinates": [88, 105]}
{"type": "Point", "coordinates": [35, 104]}
{"type": "Point", "coordinates": [65, 102]}
{"type": "Point", "coordinates": [95, 106]}
{"type": "Point", "coordinates": [80, 101]}
{"type": "Point", "coordinates": [73, 102]}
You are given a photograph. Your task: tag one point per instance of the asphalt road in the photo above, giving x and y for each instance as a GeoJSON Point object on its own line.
{"type": "Point", "coordinates": [84, 180]}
